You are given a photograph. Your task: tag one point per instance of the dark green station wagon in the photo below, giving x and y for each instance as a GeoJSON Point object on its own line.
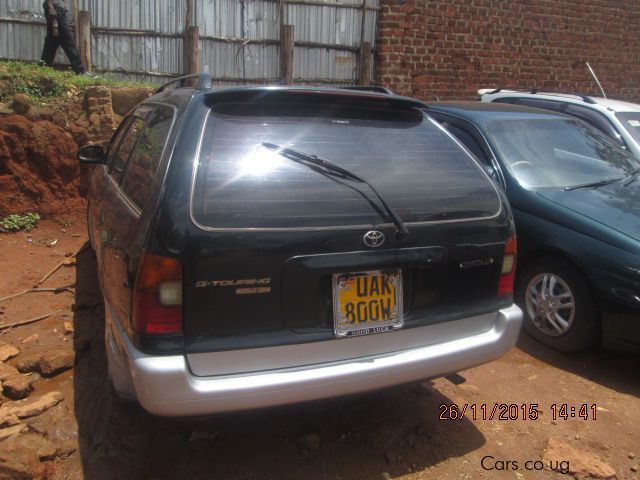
{"type": "Point", "coordinates": [268, 245]}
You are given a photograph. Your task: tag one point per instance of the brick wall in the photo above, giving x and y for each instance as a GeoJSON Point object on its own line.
{"type": "Point", "coordinates": [452, 48]}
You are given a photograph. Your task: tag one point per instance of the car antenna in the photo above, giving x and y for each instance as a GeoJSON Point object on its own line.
{"type": "Point", "coordinates": [593, 74]}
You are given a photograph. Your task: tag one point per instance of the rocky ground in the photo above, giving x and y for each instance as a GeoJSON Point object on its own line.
{"type": "Point", "coordinates": [59, 419]}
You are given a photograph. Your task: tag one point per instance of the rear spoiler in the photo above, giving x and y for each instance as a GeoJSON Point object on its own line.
{"type": "Point", "coordinates": [283, 93]}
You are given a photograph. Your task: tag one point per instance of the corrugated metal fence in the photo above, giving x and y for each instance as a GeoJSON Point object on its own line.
{"type": "Point", "coordinates": [239, 39]}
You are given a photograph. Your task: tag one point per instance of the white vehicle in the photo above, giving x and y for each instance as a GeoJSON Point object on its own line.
{"type": "Point", "coordinates": [619, 120]}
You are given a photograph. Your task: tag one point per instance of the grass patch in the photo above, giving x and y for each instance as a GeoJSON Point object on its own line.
{"type": "Point", "coordinates": [45, 84]}
{"type": "Point", "coordinates": [16, 222]}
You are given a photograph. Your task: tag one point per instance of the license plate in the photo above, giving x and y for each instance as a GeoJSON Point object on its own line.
{"type": "Point", "coordinates": [367, 302]}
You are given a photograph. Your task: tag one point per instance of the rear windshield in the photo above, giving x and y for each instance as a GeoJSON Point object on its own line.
{"type": "Point", "coordinates": [419, 171]}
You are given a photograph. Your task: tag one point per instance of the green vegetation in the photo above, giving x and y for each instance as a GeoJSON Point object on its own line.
{"type": "Point", "coordinates": [45, 84]}
{"type": "Point", "coordinates": [16, 222]}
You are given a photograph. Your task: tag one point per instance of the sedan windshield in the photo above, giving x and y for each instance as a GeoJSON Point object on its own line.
{"type": "Point", "coordinates": [631, 123]}
{"type": "Point", "coordinates": [559, 153]}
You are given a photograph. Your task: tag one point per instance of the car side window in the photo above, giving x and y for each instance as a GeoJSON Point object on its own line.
{"type": "Point", "coordinates": [116, 139]}
{"type": "Point", "coordinates": [137, 182]}
{"type": "Point", "coordinates": [468, 141]}
{"type": "Point", "coordinates": [122, 151]}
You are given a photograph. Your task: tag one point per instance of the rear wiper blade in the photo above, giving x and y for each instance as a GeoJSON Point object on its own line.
{"type": "Point", "coordinates": [599, 183]}
{"type": "Point", "coordinates": [631, 177]}
{"type": "Point", "coordinates": [325, 166]}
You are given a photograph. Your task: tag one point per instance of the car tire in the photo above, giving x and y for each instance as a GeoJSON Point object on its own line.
{"type": "Point", "coordinates": [557, 305]}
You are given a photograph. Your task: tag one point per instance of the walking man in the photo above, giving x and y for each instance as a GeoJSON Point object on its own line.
{"type": "Point", "coordinates": [60, 34]}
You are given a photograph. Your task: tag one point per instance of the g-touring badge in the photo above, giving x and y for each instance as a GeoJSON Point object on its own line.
{"type": "Point", "coordinates": [373, 238]}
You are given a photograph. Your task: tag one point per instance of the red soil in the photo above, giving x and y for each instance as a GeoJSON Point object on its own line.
{"type": "Point", "coordinates": [38, 168]}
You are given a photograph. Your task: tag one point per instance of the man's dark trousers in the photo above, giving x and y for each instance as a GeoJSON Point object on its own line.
{"type": "Point", "coordinates": [64, 38]}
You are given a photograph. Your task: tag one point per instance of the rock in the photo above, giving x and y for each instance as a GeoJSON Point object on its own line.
{"type": "Point", "coordinates": [7, 351]}
{"type": "Point", "coordinates": [31, 338]}
{"type": "Point", "coordinates": [18, 463]}
{"type": "Point", "coordinates": [124, 99]}
{"type": "Point", "coordinates": [19, 386]}
{"type": "Point", "coordinates": [68, 328]}
{"type": "Point", "coordinates": [97, 91]}
{"type": "Point", "coordinates": [66, 448]}
{"type": "Point", "coordinates": [310, 442]}
{"type": "Point", "coordinates": [56, 362]}
{"type": "Point", "coordinates": [635, 468]}
{"type": "Point", "coordinates": [21, 104]}
{"type": "Point", "coordinates": [95, 119]}
{"type": "Point", "coordinates": [43, 448]}
{"type": "Point", "coordinates": [28, 362]}
{"type": "Point", "coordinates": [632, 456]}
{"type": "Point", "coordinates": [11, 431]}
{"type": "Point", "coordinates": [580, 462]}
{"type": "Point", "coordinates": [8, 420]}
{"type": "Point", "coordinates": [53, 426]}
{"type": "Point", "coordinates": [24, 408]}
{"type": "Point", "coordinates": [5, 110]}
{"type": "Point", "coordinates": [6, 371]}
{"type": "Point", "coordinates": [82, 122]}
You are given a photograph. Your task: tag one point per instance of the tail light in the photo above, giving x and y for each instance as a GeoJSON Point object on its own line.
{"type": "Point", "coordinates": [508, 272]}
{"type": "Point", "coordinates": [157, 296]}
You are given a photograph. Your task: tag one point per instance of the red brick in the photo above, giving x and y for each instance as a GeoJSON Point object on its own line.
{"type": "Point", "coordinates": [453, 47]}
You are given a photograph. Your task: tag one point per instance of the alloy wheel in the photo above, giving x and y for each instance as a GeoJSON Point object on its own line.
{"type": "Point", "coordinates": [550, 304]}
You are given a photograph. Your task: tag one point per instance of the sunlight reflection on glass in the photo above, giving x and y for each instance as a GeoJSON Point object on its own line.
{"type": "Point", "coordinates": [260, 161]}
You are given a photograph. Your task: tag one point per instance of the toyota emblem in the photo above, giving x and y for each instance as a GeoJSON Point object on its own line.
{"type": "Point", "coordinates": [373, 238]}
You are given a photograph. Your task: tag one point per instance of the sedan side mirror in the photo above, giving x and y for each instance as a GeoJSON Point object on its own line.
{"type": "Point", "coordinates": [92, 154]}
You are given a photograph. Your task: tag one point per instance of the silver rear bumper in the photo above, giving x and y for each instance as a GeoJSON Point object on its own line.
{"type": "Point", "coordinates": [165, 386]}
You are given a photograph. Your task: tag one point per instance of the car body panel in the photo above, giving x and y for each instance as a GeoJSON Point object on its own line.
{"type": "Point", "coordinates": [164, 385]}
{"type": "Point", "coordinates": [614, 205]}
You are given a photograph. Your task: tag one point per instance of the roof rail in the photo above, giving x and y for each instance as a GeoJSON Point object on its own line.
{"type": "Point", "coordinates": [204, 82]}
{"type": "Point", "coordinates": [369, 88]}
{"type": "Point", "coordinates": [585, 98]}
{"type": "Point", "coordinates": [534, 91]}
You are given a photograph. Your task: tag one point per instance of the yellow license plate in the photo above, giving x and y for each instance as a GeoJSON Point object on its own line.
{"type": "Point", "coordinates": [367, 302]}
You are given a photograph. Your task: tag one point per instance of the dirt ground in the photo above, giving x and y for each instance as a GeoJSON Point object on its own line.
{"type": "Point", "coordinates": [396, 433]}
